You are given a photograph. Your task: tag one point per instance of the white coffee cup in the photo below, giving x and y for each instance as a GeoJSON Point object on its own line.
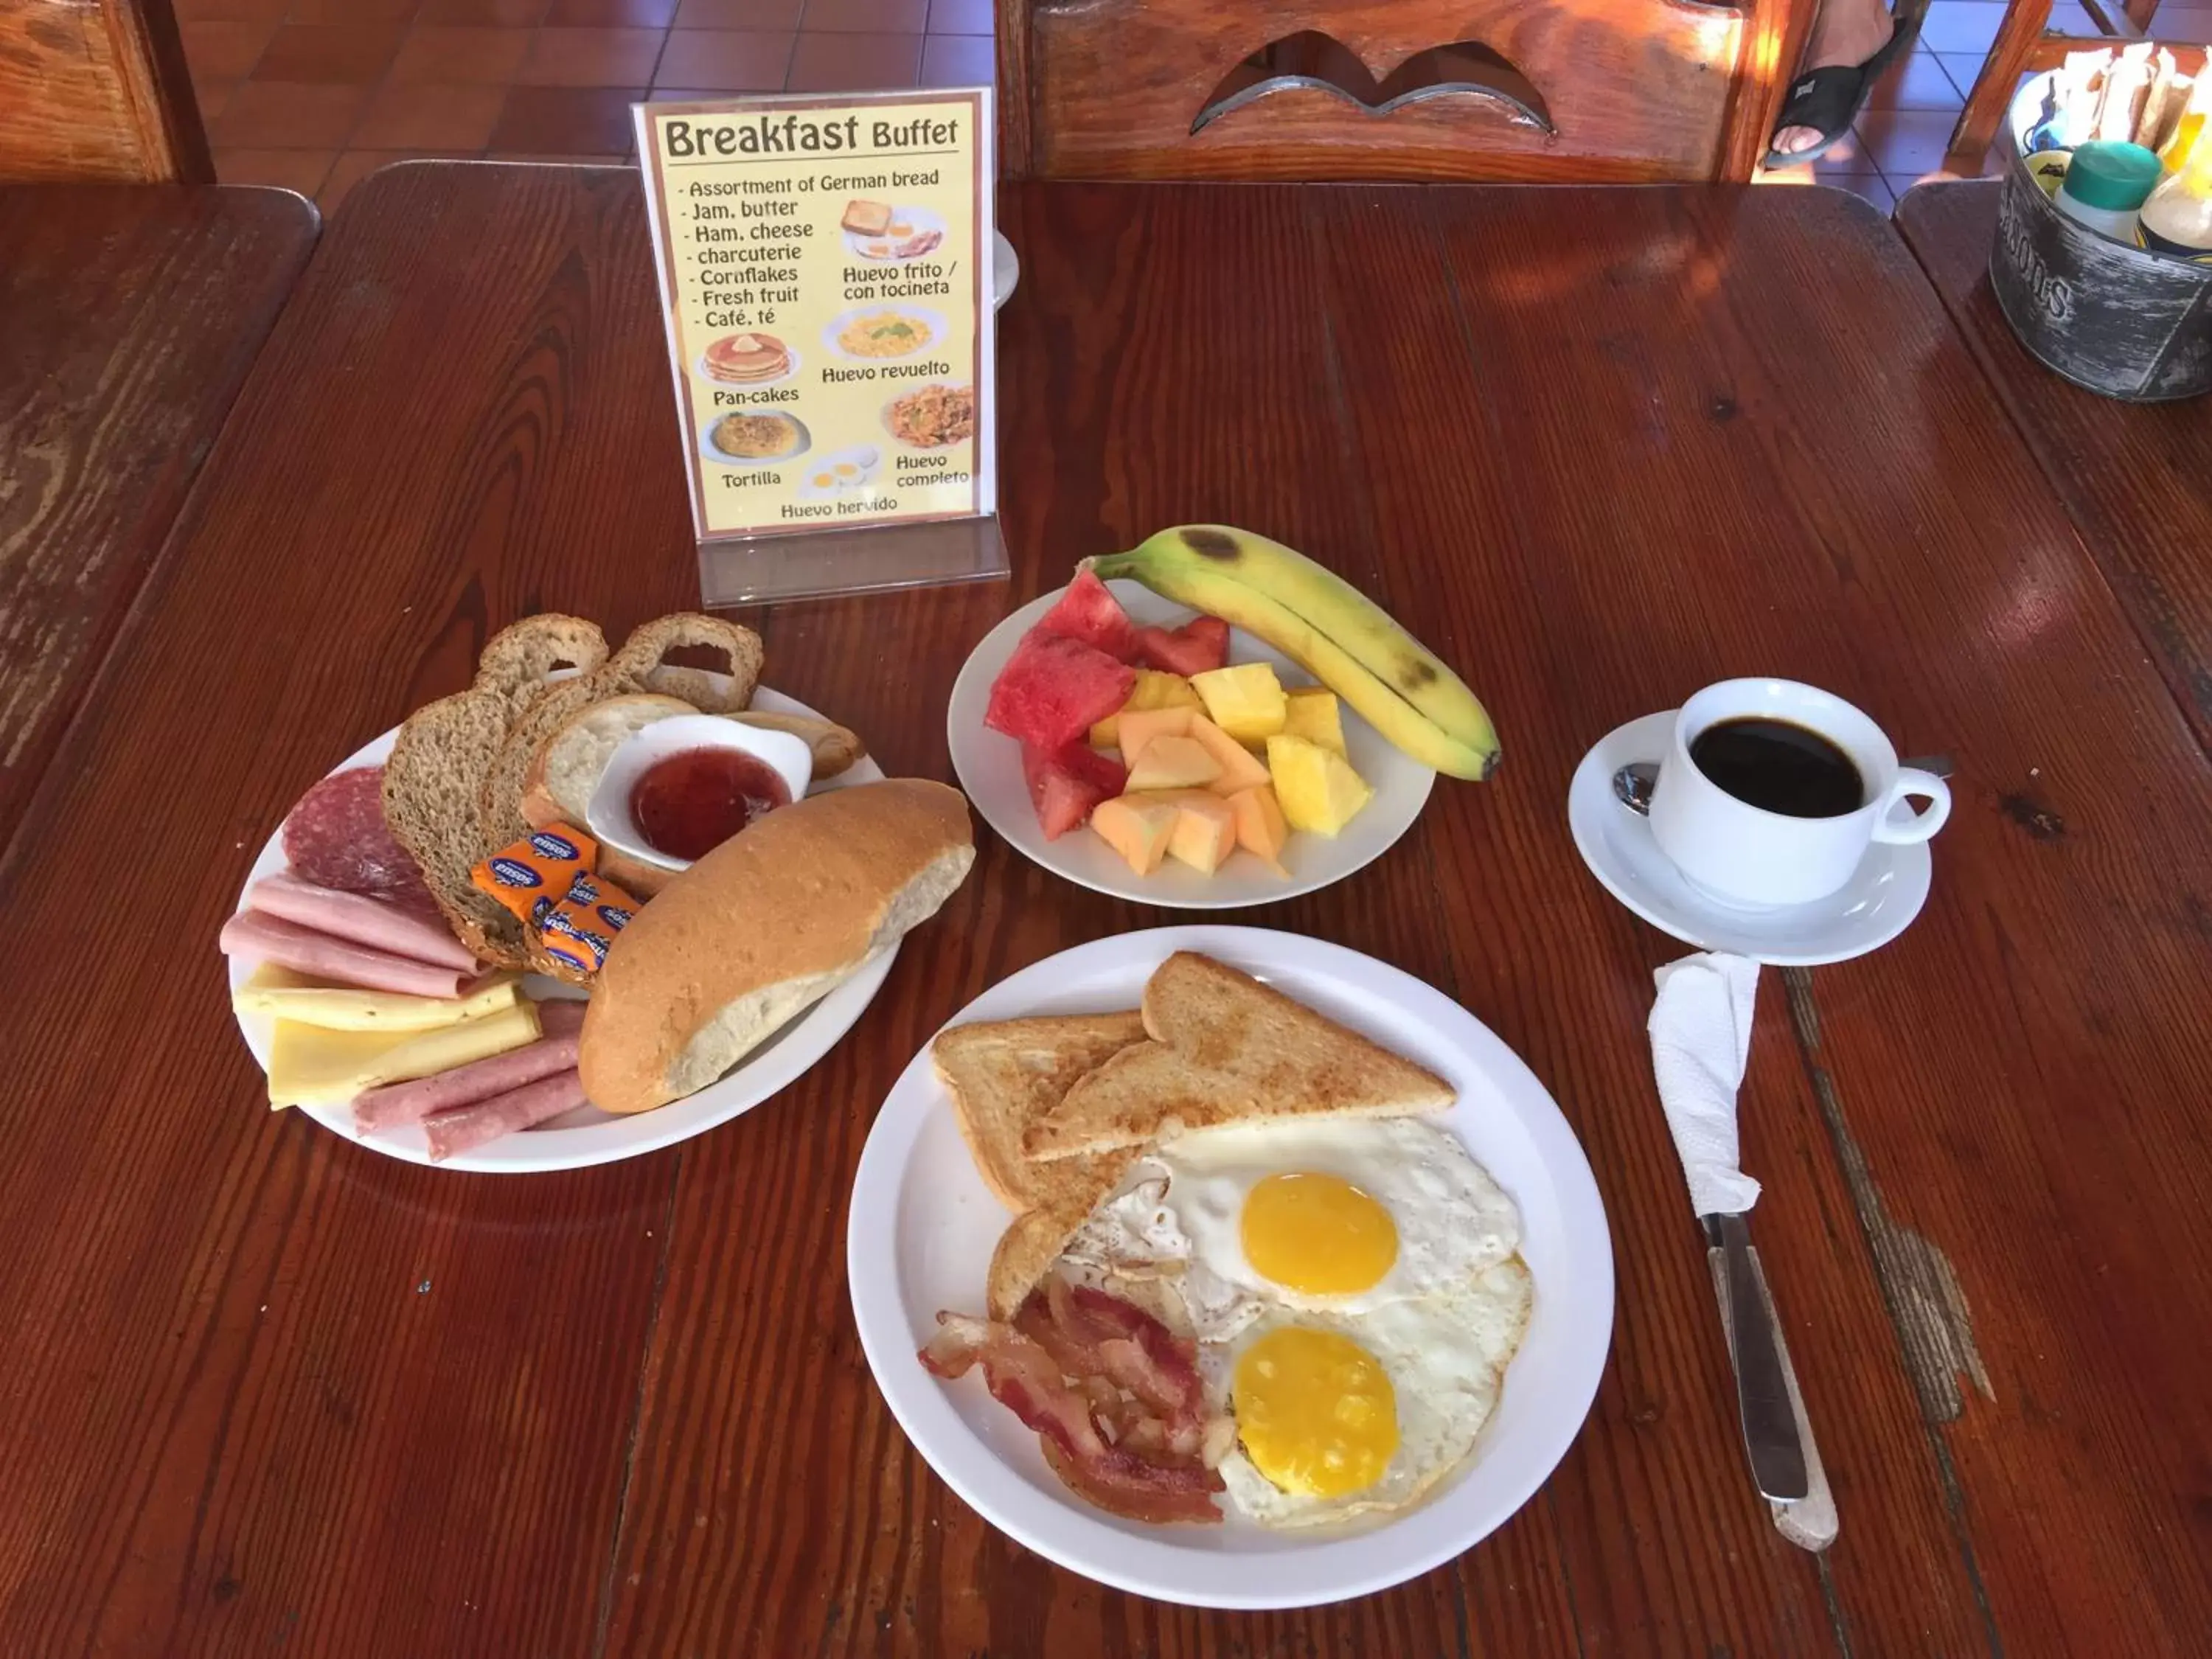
{"type": "Point", "coordinates": [1750, 857]}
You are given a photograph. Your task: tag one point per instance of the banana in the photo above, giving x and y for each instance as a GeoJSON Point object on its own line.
{"type": "Point", "coordinates": [1325, 625]}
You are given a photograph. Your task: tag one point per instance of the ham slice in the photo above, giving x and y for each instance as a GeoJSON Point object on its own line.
{"type": "Point", "coordinates": [479, 1080]}
{"type": "Point", "coordinates": [377, 923]}
{"type": "Point", "coordinates": [251, 933]}
{"type": "Point", "coordinates": [466, 1127]}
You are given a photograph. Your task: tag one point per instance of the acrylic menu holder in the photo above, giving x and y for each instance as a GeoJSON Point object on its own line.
{"type": "Point", "coordinates": [825, 269]}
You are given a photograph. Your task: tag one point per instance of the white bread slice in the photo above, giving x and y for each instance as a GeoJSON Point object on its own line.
{"type": "Point", "coordinates": [1006, 1074]}
{"type": "Point", "coordinates": [761, 927]}
{"type": "Point", "coordinates": [1227, 1048]}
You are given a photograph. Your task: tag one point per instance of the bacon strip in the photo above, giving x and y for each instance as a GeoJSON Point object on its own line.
{"type": "Point", "coordinates": [1112, 1394]}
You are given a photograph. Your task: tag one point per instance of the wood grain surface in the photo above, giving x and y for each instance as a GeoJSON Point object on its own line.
{"type": "Point", "coordinates": [2136, 478]}
{"type": "Point", "coordinates": [273, 1391]}
{"type": "Point", "coordinates": [129, 316]}
{"type": "Point", "coordinates": [98, 90]}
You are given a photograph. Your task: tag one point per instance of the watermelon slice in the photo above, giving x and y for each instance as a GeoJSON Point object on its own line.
{"type": "Point", "coordinates": [1201, 644]}
{"type": "Point", "coordinates": [1066, 784]}
{"type": "Point", "coordinates": [1089, 612]}
{"type": "Point", "coordinates": [1053, 690]}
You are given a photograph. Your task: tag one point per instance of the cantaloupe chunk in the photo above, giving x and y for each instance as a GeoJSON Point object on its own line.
{"type": "Point", "coordinates": [1172, 762]}
{"type": "Point", "coordinates": [1246, 702]}
{"type": "Point", "coordinates": [1318, 790]}
{"type": "Point", "coordinates": [1261, 829]}
{"type": "Point", "coordinates": [1311, 712]}
{"type": "Point", "coordinates": [1139, 829]}
{"type": "Point", "coordinates": [1137, 729]}
{"type": "Point", "coordinates": [1206, 827]}
{"type": "Point", "coordinates": [1153, 689]}
{"type": "Point", "coordinates": [1240, 768]}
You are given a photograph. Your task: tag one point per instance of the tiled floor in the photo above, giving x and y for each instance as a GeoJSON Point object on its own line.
{"type": "Point", "coordinates": [318, 94]}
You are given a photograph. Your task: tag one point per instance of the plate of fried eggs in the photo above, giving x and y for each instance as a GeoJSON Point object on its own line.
{"type": "Point", "coordinates": [1402, 1309]}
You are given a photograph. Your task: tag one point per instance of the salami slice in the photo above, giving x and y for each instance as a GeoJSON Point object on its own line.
{"type": "Point", "coordinates": [336, 837]}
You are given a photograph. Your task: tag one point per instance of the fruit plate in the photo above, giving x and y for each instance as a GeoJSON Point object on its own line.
{"type": "Point", "coordinates": [990, 765]}
{"type": "Point", "coordinates": [588, 1136]}
{"type": "Point", "coordinates": [922, 1227]}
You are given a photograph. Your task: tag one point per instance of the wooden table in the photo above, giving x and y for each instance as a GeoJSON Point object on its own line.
{"type": "Point", "coordinates": [268, 1390]}
{"type": "Point", "coordinates": [129, 316]}
{"type": "Point", "coordinates": [2135, 477]}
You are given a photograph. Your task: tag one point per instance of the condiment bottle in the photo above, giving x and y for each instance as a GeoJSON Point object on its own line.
{"type": "Point", "coordinates": [2177, 219]}
{"type": "Point", "coordinates": [2105, 186]}
{"type": "Point", "coordinates": [2175, 152]}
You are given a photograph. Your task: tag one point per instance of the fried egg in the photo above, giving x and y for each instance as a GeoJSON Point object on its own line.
{"type": "Point", "coordinates": [1343, 1215]}
{"type": "Point", "coordinates": [1340, 1417]}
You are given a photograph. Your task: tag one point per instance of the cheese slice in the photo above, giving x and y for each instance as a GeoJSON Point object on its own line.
{"type": "Point", "coordinates": [281, 994]}
{"type": "Point", "coordinates": [309, 1066]}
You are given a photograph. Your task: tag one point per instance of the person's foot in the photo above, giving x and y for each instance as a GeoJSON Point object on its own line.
{"type": "Point", "coordinates": [1845, 32]}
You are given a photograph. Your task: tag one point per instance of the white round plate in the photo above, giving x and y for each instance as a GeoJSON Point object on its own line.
{"type": "Point", "coordinates": [588, 1136]}
{"type": "Point", "coordinates": [1005, 270]}
{"type": "Point", "coordinates": [923, 1225]}
{"type": "Point", "coordinates": [1877, 904]}
{"type": "Point", "coordinates": [918, 219]}
{"type": "Point", "coordinates": [708, 378]}
{"type": "Point", "coordinates": [706, 438]}
{"type": "Point", "coordinates": [837, 324]}
{"type": "Point", "coordinates": [989, 764]}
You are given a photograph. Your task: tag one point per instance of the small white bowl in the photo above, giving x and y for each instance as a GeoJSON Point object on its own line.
{"type": "Point", "coordinates": [608, 815]}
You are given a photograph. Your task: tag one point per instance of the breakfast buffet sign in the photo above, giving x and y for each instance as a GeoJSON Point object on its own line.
{"type": "Point", "coordinates": [825, 272]}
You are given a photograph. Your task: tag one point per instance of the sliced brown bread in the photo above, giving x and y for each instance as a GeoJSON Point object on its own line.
{"type": "Point", "coordinates": [517, 660]}
{"type": "Point", "coordinates": [1224, 1048]}
{"type": "Point", "coordinates": [1006, 1074]}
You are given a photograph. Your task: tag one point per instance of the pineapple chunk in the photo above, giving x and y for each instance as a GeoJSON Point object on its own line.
{"type": "Point", "coordinates": [1205, 831]}
{"type": "Point", "coordinates": [1260, 829]}
{"type": "Point", "coordinates": [1240, 768]}
{"type": "Point", "coordinates": [1153, 689]}
{"type": "Point", "coordinates": [1314, 715]}
{"type": "Point", "coordinates": [1318, 790]}
{"type": "Point", "coordinates": [1246, 702]}
{"type": "Point", "coordinates": [1139, 829]}
{"type": "Point", "coordinates": [1171, 763]}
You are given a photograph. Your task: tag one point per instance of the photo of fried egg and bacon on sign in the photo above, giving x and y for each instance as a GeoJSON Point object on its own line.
{"type": "Point", "coordinates": [1245, 1263]}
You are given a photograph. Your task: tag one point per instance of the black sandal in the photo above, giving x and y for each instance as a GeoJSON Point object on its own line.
{"type": "Point", "coordinates": [1829, 99]}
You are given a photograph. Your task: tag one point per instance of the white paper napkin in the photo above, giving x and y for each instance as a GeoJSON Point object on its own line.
{"type": "Point", "coordinates": [1700, 1029]}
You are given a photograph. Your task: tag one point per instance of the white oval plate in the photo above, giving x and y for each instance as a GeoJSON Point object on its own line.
{"type": "Point", "coordinates": [990, 765]}
{"type": "Point", "coordinates": [922, 1227]}
{"type": "Point", "coordinates": [706, 438]}
{"type": "Point", "coordinates": [837, 324]}
{"type": "Point", "coordinates": [920, 219]}
{"type": "Point", "coordinates": [588, 1136]}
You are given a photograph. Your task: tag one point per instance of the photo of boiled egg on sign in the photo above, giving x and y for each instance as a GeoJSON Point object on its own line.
{"type": "Point", "coordinates": [842, 473]}
{"type": "Point", "coordinates": [1247, 1267]}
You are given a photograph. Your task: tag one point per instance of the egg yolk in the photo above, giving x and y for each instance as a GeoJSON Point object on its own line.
{"type": "Point", "coordinates": [1317, 1234]}
{"type": "Point", "coordinates": [1314, 1410]}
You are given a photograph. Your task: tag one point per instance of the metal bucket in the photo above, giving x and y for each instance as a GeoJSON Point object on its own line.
{"type": "Point", "coordinates": [2120, 321]}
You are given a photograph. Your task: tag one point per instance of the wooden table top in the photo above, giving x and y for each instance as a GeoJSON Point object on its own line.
{"type": "Point", "coordinates": [1601, 448]}
{"type": "Point", "coordinates": [129, 315]}
{"type": "Point", "coordinates": [2136, 478]}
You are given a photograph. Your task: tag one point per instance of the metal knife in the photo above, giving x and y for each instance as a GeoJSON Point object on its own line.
{"type": "Point", "coordinates": [1762, 1391]}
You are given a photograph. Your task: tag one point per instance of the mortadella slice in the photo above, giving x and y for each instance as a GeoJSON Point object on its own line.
{"type": "Point", "coordinates": [251, 933]}
{"type": "Point", "coordinates": [482, 1079]}
{"type": "Point", "coordinates": [466, 1127]}
{"type": "Point", "coordinates": [377, 923]}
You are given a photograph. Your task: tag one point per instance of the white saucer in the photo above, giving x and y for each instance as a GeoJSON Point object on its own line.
{"type": "Point", "coordinates": [1878, 903]}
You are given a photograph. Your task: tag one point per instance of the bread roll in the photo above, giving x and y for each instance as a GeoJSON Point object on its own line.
{"type": "Point", "coordinates": [762, 928]}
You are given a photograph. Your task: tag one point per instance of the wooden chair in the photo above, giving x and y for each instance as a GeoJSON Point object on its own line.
{"type": "Point", "coordinates": [1626, 90]}
{"type": "Point", "coordinates": [97, 89]}
{"type": "Point", "coordinates": [2025, 43]}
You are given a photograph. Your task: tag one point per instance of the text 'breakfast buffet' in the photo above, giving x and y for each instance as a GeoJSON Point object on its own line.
{"type": "Point", "coordinates": [764, 135]}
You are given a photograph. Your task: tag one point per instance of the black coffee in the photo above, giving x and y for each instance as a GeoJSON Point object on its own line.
{"type": "Point", "coordinates": [1780, 767]}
